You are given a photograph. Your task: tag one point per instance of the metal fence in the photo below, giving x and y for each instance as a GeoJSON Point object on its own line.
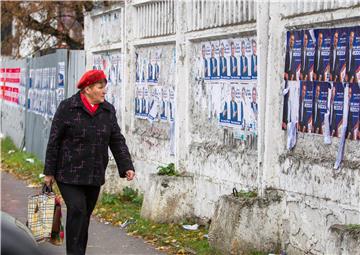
{"type": "Point", "coordinates": [42, 83]}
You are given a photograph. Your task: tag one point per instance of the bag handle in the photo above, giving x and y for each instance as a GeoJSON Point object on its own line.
{"type": "Point", "coordinates": [46, 189]}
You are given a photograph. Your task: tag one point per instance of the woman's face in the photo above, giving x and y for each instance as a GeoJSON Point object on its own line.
{"type": "Point", "coordinates": [96, 92]}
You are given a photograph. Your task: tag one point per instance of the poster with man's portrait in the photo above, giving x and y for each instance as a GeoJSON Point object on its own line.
{"type": "Point", "coordinates": [352, 131]}
{"type": "Point", "coordinates": [293, 55]}
{"type": "Point", "coordinates": [336, 109]}
{"type": "Point", "coordinates": [305, 106]}
{"type": "Point", "coordinates": [320, 99]}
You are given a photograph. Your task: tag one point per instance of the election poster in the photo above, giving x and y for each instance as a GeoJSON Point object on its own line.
{"type": "Point", "coordinates": [224, 54]}
{"type": "Point", "coordinates": [307, 55]}
{"type": "Point", "coordinates": [10, 80]}
{"type": "Point", "coordinates": [320, 99]}
{"type": "Point", "coordinates": [98, 62]}
{"type": "Point", "coordinates": [337, 63]}
{"type": "Point", "coordinates": [305, 106]}
{"type": "Point", "coordinates": [238, 105]}
{"type": "Point", "coordinates": [245, 59]}
{"type": "Point", "coordinates": [115, 70]}
{"type": "Point", "coordinates": [154, 103]}
{"type": "Point", "coordinates": [61, 73]}
{"type": "Point", "coordinates": [141, 66]}
{"type": "Point", "coordinates": [324, 38]}
{"type": "Point", "coordinates": [253, 57]}
{"type": "Point", "coordinates": [353, 55]}
{"type": "Point", "coordinates": [293, 55]}
{"type": "Point", "coordinates": [354, 112]}
{"type": "Point", "coordinates": [138, 96]}
{"type": "Point", "coordinates": [337, 107]}
{"type": "Point", "coordinates": [153, 68]}
{"type": "Point", "coordinates": [357, 54]}
{"type": "Point", "coordinates": [235, 49]}
{"type": "Point", "coordinates": [213, 61]}
{"type": "Point", "coordinates": [171, 104]}
{"type": "Point", "coordinates": [164, 99]}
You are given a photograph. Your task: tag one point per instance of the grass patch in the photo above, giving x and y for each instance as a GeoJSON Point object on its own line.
{"type": "Point", "coordinates": [168, 170]}
{"type": "Point", "coordinates": [15, 161]}
{"type": "Point", "coordinates": [353, 227]}
{"type": "Point", "coordinates": [171, 238]}
{"type": "Point", "coordinates": [244, 194]}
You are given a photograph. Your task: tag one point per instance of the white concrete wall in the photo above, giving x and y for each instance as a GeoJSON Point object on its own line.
{"type": "Point", "coordinates": [316, 196]}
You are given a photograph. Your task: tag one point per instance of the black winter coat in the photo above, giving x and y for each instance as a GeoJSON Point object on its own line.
{"type": "Point", "coordinates": [77, 151]}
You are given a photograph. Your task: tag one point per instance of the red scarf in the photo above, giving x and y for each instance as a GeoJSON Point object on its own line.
{"type": "Point", "coordinates": [92, 108]}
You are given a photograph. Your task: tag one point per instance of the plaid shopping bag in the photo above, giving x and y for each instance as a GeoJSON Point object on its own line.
{"type": "Point", "coordinates": [41, 214]}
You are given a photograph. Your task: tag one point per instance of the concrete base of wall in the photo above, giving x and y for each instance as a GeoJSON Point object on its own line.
{"type": "Point", "coordinates": [168, 199]}
{"type": "Point", "coordinates": [345, 239]}
{"type": "Point", "coordinates": [241, 225]}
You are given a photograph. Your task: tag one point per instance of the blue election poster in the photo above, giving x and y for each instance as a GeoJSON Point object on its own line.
{"type": "Point", "coordinates": [336, 108]}
{"type": "Point", "coordinates": [353, 55]}
{"type": "Point", "coordinates": [352, 131]}
{"type": "Point", "coordinates": [321, 94]}
{"type": "Point", "coordinates": [307, 55]}
{"type": "Point", "coordinates": [325, 54]}
{"type": "Point", "coordinates": [305, 106]}
{"type": "Point", "coordinates": [293, 55]}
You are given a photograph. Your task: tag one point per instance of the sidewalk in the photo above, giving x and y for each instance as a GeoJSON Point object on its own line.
{"type": "Point", "coordinates": [103, 239]}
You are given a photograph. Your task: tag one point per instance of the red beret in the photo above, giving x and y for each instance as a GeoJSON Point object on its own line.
{"type": "Point", "coordinates": [91, 77]}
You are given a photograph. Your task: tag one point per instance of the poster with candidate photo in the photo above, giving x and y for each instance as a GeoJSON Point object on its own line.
{"type": "Point", "coordinates": [336, 109]}
{"type": "Point", "coordinates": [235, 49]}
{"type": "Point", "coordinates": [306, 106]}
{"type": "Point", "coordinates": [321, 95]}
{"type": "Point", "coordinates": [98, 62]}
{"type": "Point", "coordinates": [115, 70]}
{"type": "Point", "coordinates": [164, 98]}
{"type": "Point", "coordinates": [337, 62]}
{"type": "Point", "coordinates": [319, 67]}
{"type": "Point", "coordinates": [205, 60]}
{"type": "Point", "coordinates": [293, 55]}
{"type": "Point", "coordinates": [140, 102]}
{"type": "Point", "coordinates": [171, 104]}
{"type": "Point", "coordinates": [307, 55]}
{"type": "Point", "coordinates": [353, 55]}
{"type": "Point", "coordinates": [139, 76]}
{"type": "Point", "coordinates": [238, 105]}
{"type": "Point", "coordinates": [357, 54]}
{"type": "Point", "coordinates": [61, 74]}
{"type": "Point", "coordinates": [154, 103]}
{"type": "Point", "coordinates": [141, 66]}
{"type": "Point", "coordinates": [224, 63]}
{"type": "Point", "coordinates": [324, 60]}
{"type": "Point", "coordinates": [253, 58]}
{"type": "Point", "coordinates": [153, 67]}
{"type": "Point", "coordinates": [352, 131]}
{"type": "Point", "coordinates": [245, 59]}
{"type": "Point", "coordinates": [213, 60]}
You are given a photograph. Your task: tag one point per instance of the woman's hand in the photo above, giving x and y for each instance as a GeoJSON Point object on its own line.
{"type": "Point", "coordinates": [49, 180]}
{"type": "Point", "coordinates": [130, 174]}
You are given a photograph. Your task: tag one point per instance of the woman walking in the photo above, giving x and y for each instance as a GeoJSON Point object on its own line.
{"type": "Point", "coordinates": [83, 128]}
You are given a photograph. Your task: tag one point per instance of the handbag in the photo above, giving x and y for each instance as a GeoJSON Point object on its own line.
{"type": "Point", "coordinates": [40, 214]}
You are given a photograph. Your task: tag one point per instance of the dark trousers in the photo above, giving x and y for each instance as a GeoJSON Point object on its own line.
{"type": "Point", "coordinates": [80, 201]}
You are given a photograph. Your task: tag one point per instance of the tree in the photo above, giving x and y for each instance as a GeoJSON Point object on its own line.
{"type": "Point", "coordinates": [42, 24]}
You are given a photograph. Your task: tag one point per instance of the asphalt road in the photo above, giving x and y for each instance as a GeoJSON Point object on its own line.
{"type": "Point", "coordinates": [103, 239]}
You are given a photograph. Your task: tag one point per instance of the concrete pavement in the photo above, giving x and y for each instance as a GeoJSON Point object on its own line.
{"type": "Point", "coordinates": [103, 239]}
